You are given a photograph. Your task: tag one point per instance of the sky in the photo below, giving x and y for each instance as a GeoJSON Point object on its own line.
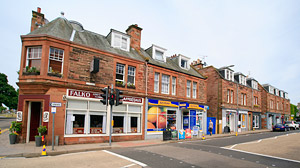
{"type": "Point", "coordinates": [260, 37]}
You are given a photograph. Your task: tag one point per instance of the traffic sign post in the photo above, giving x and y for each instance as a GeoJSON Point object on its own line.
{"type": "Point", "coordinates": [53, 111]}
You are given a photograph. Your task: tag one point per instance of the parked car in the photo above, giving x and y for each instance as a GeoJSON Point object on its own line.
{"type": "Point", "coordinates": [298, 124]}
{"type": "Point", "coordinates": [280, 127]}
{"type": "Point", "coordinates": [291, 125]}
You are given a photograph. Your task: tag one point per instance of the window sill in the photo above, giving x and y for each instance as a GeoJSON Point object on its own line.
{"type": "Point", "coordinates": [31, 73]}
{"type": "Point", "coordinates": [55, 75]}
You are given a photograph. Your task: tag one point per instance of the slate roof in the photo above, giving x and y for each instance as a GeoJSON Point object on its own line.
{"type": "Point", "coordinates": [62, 28]}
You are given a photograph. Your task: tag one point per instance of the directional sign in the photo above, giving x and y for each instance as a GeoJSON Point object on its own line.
{"type": "Point", "coordinates": [55, 104]}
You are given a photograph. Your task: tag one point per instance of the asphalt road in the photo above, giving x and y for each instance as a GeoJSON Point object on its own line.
{"type": "Point", "coordinates": [5, 122]}
{"type": "Point", "coordinates": [208, 153]}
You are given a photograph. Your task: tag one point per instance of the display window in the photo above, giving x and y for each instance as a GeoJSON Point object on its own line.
{"type": "Point", "coordinates": [242, 120]}
{"type": "Point", "coordinates": [85, 117]}
{"type": "Point", "coordinates": [189, 119]}
{"type": "Point", "coordinates": [160, 118]}
{"type": "Point", "coordinates": [127, 119]}
{"type": "Point", "coordinates": [255, 121]}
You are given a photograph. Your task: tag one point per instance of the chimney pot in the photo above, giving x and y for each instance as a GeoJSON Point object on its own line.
{"type": "Point", "coordinates": [39, 10]}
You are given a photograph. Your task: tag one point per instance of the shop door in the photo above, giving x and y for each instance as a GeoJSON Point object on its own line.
{"type": "Point", "coordinates": [232, 122]}
{"type": "Point", "coordinates": [35, 119]}
{"type": "Point", "coordinates": [270, 122]}
{"type": "Point", "coordinates": [213, 119]}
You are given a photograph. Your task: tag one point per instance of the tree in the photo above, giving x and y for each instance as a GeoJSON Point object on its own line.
{"type": "Point", "coordinates": [294, 110]}
{"type": "Point", "coordinates": [8, 94]}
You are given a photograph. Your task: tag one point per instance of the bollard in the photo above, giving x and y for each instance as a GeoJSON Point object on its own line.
{"type": "Point", "coordinates": [203, 137]}
{"type": "Point", "coordinates": [44, 153]}
{"type": "Point", "coordinates": [236, 134]}
{"type": "Point", "coordinates": [0, 131]}
{"type": "Point", "coordinates": [253, 129]}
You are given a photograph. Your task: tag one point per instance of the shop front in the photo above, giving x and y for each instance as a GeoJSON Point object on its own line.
{"type": "Point", "coordinates": [87, 119]}
{"type": "Point", "coordinates": [161, 114]}
{"type": "Point", "coordinates": [256, 120]}
{"type": "Point", "coordinates": [229, 120]}
{"type": "Point", "coordinates": [193, 115]}
{"type": "Point", "coordinates": [242, 120]}
{"type": "Point", "coordinates": [272, 119]}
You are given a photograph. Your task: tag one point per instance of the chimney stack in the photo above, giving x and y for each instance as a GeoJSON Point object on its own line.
{"type": "Point", "coordinates": [197, 64]}
{"type": "Point", "coordinates": [135, 36]}
{"type": "Point", "coordinates": [37, 19]}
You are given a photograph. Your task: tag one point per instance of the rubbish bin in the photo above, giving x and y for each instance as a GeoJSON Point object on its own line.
{"type": "Point", "coordinates": [167, 134]}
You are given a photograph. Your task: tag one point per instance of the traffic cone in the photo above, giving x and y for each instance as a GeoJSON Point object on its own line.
{"type": "Point", "coordinates": [203, 137]}
{"type": "Point", "coordinates": [43, 138]}
{"type": "Point", "coordinates": [44, 153]}
{"type": "Point", "coordinates": [253, 129]}
{"type": "Point", "coordinates": [235, 133]}
{"type": "Point", "coordinates": [0, 131]}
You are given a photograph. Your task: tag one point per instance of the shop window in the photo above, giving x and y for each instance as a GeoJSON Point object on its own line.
{"type": "Point", "coordinates": [85, 117]}
{"type": "Point", "coordinates": [157, 118]}
{"type": "Point", "coordinates": [188, 88]}
{"type": "Point", "coordinates": [78, 124]}
{"type": "Point", "coordinates": [171, 119]}
{"type": "Point", "coordinates": [165, 83]}
{"type": "Point", "coordinates": [131, 77]}
{"type": "Point", "coordinates": [127, 119]}
{"type": "Point", "coordinates": [56, 57]}
{"type": "Point", "coordinates": [189, 119]}
{"type": "Point", "coordinates": [173, 85]}
{"type": "Point", "coordinates": [156, 82]}
{"type": "Point", "coordinates": [34, 55]}
{"type": "Point", "coordinates": [118, 126]}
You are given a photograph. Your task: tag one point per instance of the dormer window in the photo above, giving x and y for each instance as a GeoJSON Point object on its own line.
{"type": "Point", "coordinates": [271, 89]}
{"type": "Point", "coordinates": [286, 95]}
{"type": "Point", "coordinates": [254, 85]}
{"type": "Point", "coordinates": [229, 75]}
{"type": "Point", "coordinates": [242, 80]}
{"type": "Point", "coordinates": [157, 53]}
{"type": "Point", "coordinates": [183, 63]}
{"type": "Point", "coordinates": [120, 40]}
{"type": "Point", "coordinates": [277, 92]}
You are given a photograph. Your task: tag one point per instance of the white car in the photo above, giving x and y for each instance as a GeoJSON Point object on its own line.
{"type": "Point", "coordinates": [291, 125]}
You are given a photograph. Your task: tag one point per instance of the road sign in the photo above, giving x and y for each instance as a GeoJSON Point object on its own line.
{"type": "Point", "coordinates": [55, 104]}
{"type": "Point", "coordinates": [53, 110]}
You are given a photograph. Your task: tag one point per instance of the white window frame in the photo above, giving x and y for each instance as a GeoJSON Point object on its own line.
{"type": "Point", "coordinates": [56, 59]}
{"type": "Point", "coordinates": [231, 96]}
{"type": "Point", "coordinates": [254, 85]}
{"type": "Point", "coordinates": [173, 85]}
{"type": "Point", "coordinates": [194, 90]}
{"type": "Point", "coordinates": [160, 49]}
{"type": "Point", "coordinates": [131, 72]}
{"type": "Point", "coordinates": [188, 88]}
{"type": "Point", "coordinates": [156, 82]}
{"type": "Point", "coordinates": [165, 84]}
{"type": "Point", "coordinates": [228, 95]}
{"type": "Point", "coordinates": [117, 71]}
{"type": "Point", "coordinates": [33, 58]}
{"type": "Point", "coordinates": [122, 36]}
{"type": "Point", "coordinates": [229, 75]}
{"type": "Point", "coordinates": [186, 59]}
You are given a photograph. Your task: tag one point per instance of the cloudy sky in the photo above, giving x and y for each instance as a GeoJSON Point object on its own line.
{"type": "Point", "coordinates": [259, 37]}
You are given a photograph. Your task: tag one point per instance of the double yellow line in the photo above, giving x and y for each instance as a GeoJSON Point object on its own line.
{"type": "Point", "coordinates": [2, 131]}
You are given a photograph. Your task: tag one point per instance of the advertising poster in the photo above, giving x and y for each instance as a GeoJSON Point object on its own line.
{"type": "Point", "coordinates": [188, 133]}
{"type": "Point", "coordinates": [181, 134]}
{"type": "Point", "coordinates": [156, 118]}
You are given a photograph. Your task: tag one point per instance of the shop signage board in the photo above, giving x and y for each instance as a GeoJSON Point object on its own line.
{"type": "Point", "coordinates": [163, 103]}
{"type": "Point", "coordinates": [192, 106]}
{"type": "Point", "coordinates": [188, 133]}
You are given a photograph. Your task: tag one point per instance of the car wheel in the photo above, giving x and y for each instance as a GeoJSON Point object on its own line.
{"type": "Point", "coordinates": [285, 129]}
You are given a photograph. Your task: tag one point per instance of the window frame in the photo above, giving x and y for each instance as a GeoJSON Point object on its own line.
{"type": "Point", "coordinates": [173, 85]}
{"type": "Point", "coordinates": [188, 89]}
{"type": "Point", "coordinates": [165, 82]}
{"type": "Point", "coordinates": [119, 44]}
{"type": "Point", "coordinates": [58, 60]}
{"type": "Point", "coordinates": [117, 72]}
{"type": "Point", "coordinates": [195, 90]}
{"type": "Point", "coordinates": [129, 75]}
{"type": "Point", "coordinates": [40, 49]}
{"type": "Point", "coordinates": [156, 82]}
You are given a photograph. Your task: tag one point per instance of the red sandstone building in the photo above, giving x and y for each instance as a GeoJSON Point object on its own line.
{"type": "Point", "coordinates": [59, 65]}
{"type": "Point", "coordinates": [240, 103]}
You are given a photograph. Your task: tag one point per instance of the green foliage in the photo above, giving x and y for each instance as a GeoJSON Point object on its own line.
{"type": "Point", "coordinates": [294, 109]}
{"type": "Point", "coordinates": [15, 127]}
{"type": "Point", "coordinates": [42, 130]}
{"type": "Point", "coordinates": [32, 70]}
{"type": "Point", "coordinates": [8, 94]}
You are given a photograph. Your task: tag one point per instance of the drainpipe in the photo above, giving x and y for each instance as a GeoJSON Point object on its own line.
{"type": "Point", "coordinates": [218, 109]}
{"type": "Point", "coordinates": [237, 106]}
{"type": "Point", "coordinates": [146, 98]}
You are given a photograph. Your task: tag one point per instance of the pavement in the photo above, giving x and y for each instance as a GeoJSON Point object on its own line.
{"type": "Point", "coordinates": [30, 150]}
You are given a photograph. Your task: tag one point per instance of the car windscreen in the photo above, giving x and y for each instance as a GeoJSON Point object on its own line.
{"type": "Point", "coordinates": [288, 122]}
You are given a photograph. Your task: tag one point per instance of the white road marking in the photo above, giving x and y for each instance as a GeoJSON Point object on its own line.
{"type": "Point", "coordinates": [126, 158]}
{"type": "Point", "coordinates": [252, 153]}
{"type": "Point", "coordinates": [129, 165]}
{"type": "Point", "coordinates": [233, 146]}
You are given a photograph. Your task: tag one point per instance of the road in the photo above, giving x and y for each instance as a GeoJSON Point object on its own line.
{"type": "Point", "coordinates": [5, 122]}
{"type": "Point", "coordinates": [263, 150]}
{"type": "Point", "coordinates": [213, 152]}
